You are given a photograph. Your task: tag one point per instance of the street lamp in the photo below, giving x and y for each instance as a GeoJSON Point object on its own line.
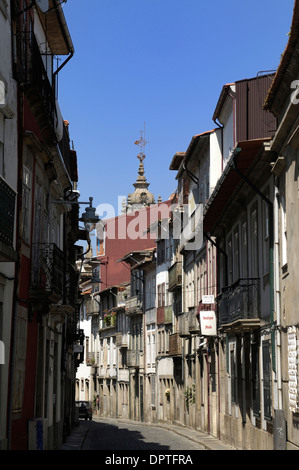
{"type": "Point", "coordinates": [89, 217]}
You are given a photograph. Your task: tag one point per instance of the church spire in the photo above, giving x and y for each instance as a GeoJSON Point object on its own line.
{"type": "Point", "coordinates": [141, 197]}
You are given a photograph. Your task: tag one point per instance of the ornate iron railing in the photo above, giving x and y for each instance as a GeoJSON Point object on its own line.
{"type": "Point", "coordinates": [239, 301]}
{"type": "Point", "coordinates": [48, 268]}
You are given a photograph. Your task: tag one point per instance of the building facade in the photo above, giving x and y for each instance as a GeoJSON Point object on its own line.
{"type": "Point", "coordinates": [9, 201]}
{"type": "Point", "coordinates": [38, 232]}
{"type": "Point", "coordinates": [212, 323]}
{"type": "Point", "coordinates": [204, 332]}
{"type": "Point", "coordinates": [282, 101]}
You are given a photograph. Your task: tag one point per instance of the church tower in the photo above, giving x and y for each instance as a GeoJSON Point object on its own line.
{"type": "Point", "coordinates": [141, 197]}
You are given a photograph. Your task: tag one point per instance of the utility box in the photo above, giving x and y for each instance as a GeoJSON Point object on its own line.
{"type": "Point", "coordinates": [280, 430]}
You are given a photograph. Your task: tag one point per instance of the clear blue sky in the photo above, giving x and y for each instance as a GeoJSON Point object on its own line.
{"type": "Point", "coordinates": [162, 63]}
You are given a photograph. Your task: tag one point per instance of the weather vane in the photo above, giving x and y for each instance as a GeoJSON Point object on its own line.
{"type": "Point", "coordinates": [141, 144]}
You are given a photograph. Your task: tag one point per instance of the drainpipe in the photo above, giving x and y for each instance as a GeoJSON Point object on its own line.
{"type": "Point", "coordinates": [277, 297]}
{"type": "Point", "coordinates": [271, 249]}
{"type": "Point", "coordinates": [67, 37]}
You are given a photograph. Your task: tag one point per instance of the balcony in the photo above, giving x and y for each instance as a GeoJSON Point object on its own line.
{"type": "Point", "coordinates": [175, 276]}
{"type": "Point", "coordinates": [183, 325]}
{"type": "Point", "coordinates": [47, 277]}
{"type": "Point", "coordinates": [134, 305]}
{"type": "Point", "coordinates": [92, 307]}
{"type": "Point", "coordinates": [133, 358]}
{"type": "Point", "coordinates": [33, 78]}
{"type": "Point", "coordinates": [121, 340]}
{"type": "Point", "coordinates": [91, 359]}
{"type": "Point", "coordinates": [175, 345]}
{"type": "Point", "coordinates": [239, 306]}
{"type": "Point", "coordinates": [193, 321]}
{"type": "Point", "coordinates": [7, 217]}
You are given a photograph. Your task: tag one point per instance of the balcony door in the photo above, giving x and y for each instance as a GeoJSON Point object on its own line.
{"type": "Point", "coordinates": [254, 242]}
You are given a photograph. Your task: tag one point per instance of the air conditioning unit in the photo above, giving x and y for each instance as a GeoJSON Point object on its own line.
{"type": "Point", "coordinates": [37, 434]}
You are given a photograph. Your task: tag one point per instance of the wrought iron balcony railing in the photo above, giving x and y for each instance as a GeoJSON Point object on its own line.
{"type": "Point", "coordinates": [39, 86]}
{"type": "Point", "coordinates": [48, 269]}
{"type": "Point", "coordinates": [240, 301]}
{"type": "Point", "coordinates": [32, 75]}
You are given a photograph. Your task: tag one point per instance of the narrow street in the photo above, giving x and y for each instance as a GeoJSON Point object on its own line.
{"type": "Point", "coordinates": [112, 435]}
{"type": "Point", "coordinates": [116, 437]}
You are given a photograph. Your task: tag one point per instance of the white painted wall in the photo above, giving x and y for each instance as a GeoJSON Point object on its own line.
{"type": "Point", "coordinates": [83, 371]}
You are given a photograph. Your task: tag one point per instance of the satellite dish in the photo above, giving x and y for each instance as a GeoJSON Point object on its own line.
{"type": "Point", "coordinates": [43, 5]}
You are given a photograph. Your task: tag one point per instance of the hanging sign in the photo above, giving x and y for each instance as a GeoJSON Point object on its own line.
{"type": "Point", "coordinates": [208, 323]}
{"type": "Point", "coordinates": [208, 299]}
{"type": "Point", "coordinates": [292, 366]}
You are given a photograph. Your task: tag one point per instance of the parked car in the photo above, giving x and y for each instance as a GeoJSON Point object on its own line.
{"type": "Point", "coordinates": [85, 409]}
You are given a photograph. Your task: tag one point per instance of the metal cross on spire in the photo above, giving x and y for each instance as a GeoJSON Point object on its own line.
{"type": "Point", "coordinates": [141, 144]}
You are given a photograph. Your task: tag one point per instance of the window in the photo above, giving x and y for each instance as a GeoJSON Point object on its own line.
{"type": "Point", "coordinates": [26, 203]}
{"type": "Point", "coordinates": [267, 379]}
{"type": "Point", "coordinates": [254, 244]}
{"type": "Point", "coordinates": [284, 258]}
{"type": "Point", "coordinates": [136, 283]}
{"type": "Point", "coordinates": [153, 390]}
{"type": "Point", "coordinates": [161, 295]}
{"type": "Point", "coordinates": [232, 376]}
{"type": "Point", "coordinates": [169, 248]}
{"type": "Point", "coordinates": [236, 260]}
{"type": "Point", "coordinates": [230, 260]}
{"type": "Point", "coordinates": [161, 252]}
{"type": "Point", "coordinates": [266, 246]}
{"type": "Point", "coordinates": [108, 353]}
{"type": "Point", "coordinates": [151, 346]}
{"type": "Point", "coordinates": [113, 351]}
{"type": "Point", "coordinates": [244, 250]}
{"type": "Point", "coordinates": [255, 379]}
